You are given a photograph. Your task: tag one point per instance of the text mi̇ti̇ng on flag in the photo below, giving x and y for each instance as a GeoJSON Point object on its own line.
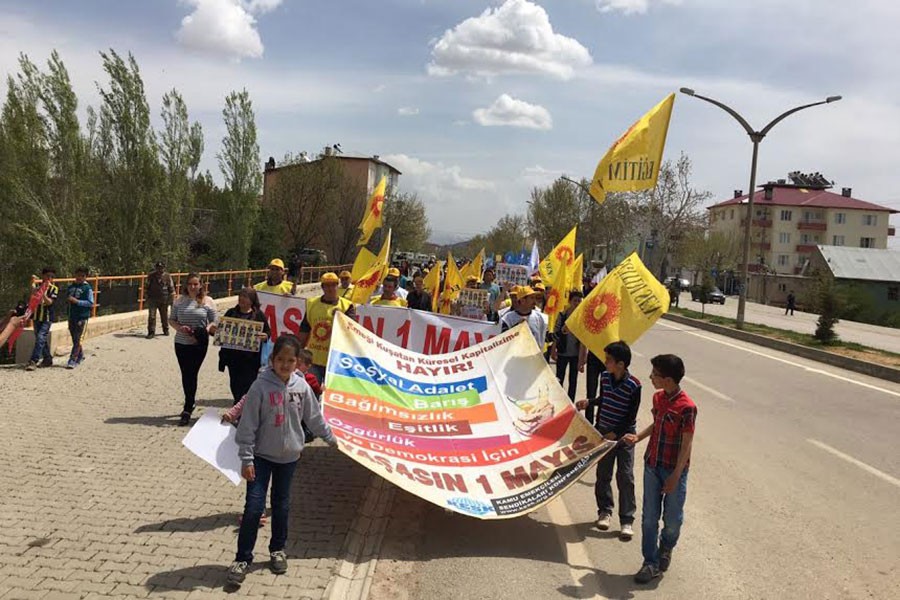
{"type": "Point", "coordinates": [632, 162]}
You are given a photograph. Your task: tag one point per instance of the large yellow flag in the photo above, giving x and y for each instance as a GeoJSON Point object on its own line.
{"type": "Point", "coordinates": [452, 284]}
{"type": "Point", "coordinates": [474, 267]}
{"type": "Point", "coordinates": [363, 263]}
{"type": "Point", "coordinates": [632, 163]}
{"type": "Point", "coordinates": [576, 281]}
{"type": "Point", "coordinates": [374, 216]}
{"type": "Point", "coordinates": [432, 284]}
{"type": "Point", "coordinates": [564, 253]}
{"type": "Point", "coordinates": [621, 308]}
{"type": "Point", "coordinates": [558, 296]}
{"type": "Point", "coordinates": [366, 285]}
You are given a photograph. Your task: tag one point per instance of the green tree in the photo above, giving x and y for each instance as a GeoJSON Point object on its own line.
{"type": "Point", "coordinates": [240, 165]}
{"type": "Point", "coordinates": [827, 301]}
{"type": "Point", "coordinates": [405, 216]}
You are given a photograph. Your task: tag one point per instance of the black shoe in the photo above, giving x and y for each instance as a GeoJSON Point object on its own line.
{"type": "Point", "coordinates": [47, 362]}
{"type": "Point", "coordinates": [150, 336]}
{"type": "Point", "coordinates": [647, 574]}
{"type": "Point", "coordinates": [166, 333]}
{"type": "Point", "coordinates": [665, 558]}
{"type": "Point", "coordinates": [185, 419]}
{"type": "Point", "coordinates": [278, 562]}
{"type": "Point", "coordinates": [237, 572]}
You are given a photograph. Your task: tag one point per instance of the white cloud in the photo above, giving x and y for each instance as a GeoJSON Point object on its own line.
{"type": "Point", "coordinates": [517, 37]}
{"type": "Point", "coordinates": [508, 111]}
{"type": "Point", "coordinates": [434, 177]}
{"type": "Point", "coordinates": [407, 111]}
{"type": "Point", "coordinates": [631, 7]}
{"type": "Point", "coordinates": [539, 176]}
{"type": "Point", "coordinates": [224, 27]}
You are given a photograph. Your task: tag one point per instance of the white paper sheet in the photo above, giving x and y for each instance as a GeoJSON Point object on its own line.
{"type": "Point", "coordinates": [213, 441]}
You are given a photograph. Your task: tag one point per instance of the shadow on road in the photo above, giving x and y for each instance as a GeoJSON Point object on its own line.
{"type": "Point", "coordinates": [201, 523]}
{"type": "Point", "coordinates": [152, 421]}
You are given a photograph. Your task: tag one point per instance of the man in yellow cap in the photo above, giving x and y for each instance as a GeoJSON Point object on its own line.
{"type": "Point", "coordinates": [275, 282]}
{"type": "Point", "coordinates": [398, 291]}
{"type": "Point", "coordinates": [315, 329]}
{"type": "Point", "coordinates": [472, 282]}
{"type": "Point", "coordinates": [346, 288]}
{"type": "Point", "coordinates": [389, 295]}
{"type": "Point", "coordinates": [523, 310]}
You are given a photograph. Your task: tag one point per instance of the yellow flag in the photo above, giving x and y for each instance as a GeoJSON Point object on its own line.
{"type": "Point", "coordinates": [452, 284]}
{"type": "Point", "coordinates": [374, 213]}
{"type": "Point", "coordinates": [558, 296]}
{"type": "Point", "coordinates": [432, 283]}
{"type": "Point", "coordinates": [577, 275]}
{"type": "Point", "coordinates": [632, 163]}
{"type": "Point", "coordinates": [621, 308]}
{"type": "Point", "coordinates": [474, 267]}
{"type": "Point", "coordinates": [366, 285]}
{"type": "Point", "coordinates": [363, 262]}
{"type": "Point", "coordinates": [564, 253]}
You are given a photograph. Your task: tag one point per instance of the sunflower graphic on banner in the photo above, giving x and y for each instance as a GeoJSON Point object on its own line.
{"type": "Point", "coordinates": [622, 307]}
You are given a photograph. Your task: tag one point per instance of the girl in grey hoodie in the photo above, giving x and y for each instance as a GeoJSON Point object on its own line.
{"type": "Point", "coordinates": [270, 440]}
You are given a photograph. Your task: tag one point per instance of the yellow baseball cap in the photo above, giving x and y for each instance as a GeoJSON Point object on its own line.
{"type": "Point", "coordinates": [539, 287]}
{"type": "Point", "coordinates": [276, 262]}
{"type": "Point", "coordinates": [330, 278]}
{"type": "Point", "coordinates": [393, 272]}
{"type": "Point", "coordinates": [345, 274]}
{"type": "Point", "coordinates": [526, 291]}
{"type": "Point", "coordinates": [471, 278]}
{"type": "Point", "coordinates": [514, 291]}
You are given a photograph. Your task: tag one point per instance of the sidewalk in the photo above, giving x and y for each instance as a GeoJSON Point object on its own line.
{"type": "Point", "coordinates": [883, 338]}
{"type": "Point", "coordinates": [101, 500]}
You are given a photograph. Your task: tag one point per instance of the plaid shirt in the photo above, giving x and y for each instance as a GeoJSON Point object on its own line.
{"type": "Point", "coordinates": [671, 418]}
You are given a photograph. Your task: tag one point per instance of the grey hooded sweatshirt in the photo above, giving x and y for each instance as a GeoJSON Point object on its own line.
{"type": "Point", "coordinates": [270, 423]}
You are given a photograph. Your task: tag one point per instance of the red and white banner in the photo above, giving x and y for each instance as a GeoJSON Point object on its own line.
{"type": "Point", "coordinates": [284, 313]}
{"type": "Point", "coordinates": [424, 332]}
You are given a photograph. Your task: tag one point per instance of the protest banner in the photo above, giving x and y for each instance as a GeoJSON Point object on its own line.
{"type": "Point", "coordinates": [510, 275]}
{"type": "Point", "coordinates": [283, 313]}
{"type": "Point", "coordinates": [486, 431]}
{"type": "Point", "coordinates": [424, 332]}
{"type": "Point", "coordinates": [238, 334]}
{"type": "Point", "coordinates": [471, 303]}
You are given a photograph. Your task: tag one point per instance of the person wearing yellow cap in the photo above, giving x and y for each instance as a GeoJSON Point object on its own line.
{"type": "Point", "coordinates": [345, 290]}
{"type": "Point", "coordinates": [389, 295]}
{"type": "Point", "coordinates": [472, 282]}
{"type": "Point", "coordinates": [524, 310]}
{"type": "Point", "coordinates": [275, 282]}
{"type": "Point", "coordinates": [398, 291]}
{"type": "Point", "coordinates": [315, 329]}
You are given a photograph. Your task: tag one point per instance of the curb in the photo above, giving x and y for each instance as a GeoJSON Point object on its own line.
{"type": "Point", "coordinates": [353, 577]}
{"type": "Point", "coordinates": [829, 358]}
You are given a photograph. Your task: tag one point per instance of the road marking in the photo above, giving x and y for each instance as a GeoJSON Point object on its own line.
{"type": "Point", "coordinates": [785, 361]}
{"type": "Point", "coordinates": [575, 551]}
{"type": "Point", "coordinates": [858, 463]}
{"type": "Point", "coordinates": [694, 382]}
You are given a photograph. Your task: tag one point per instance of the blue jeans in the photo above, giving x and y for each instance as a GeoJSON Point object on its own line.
{"type": "Point", "coordinates": [41, 347]}
{"type": "Point", "coordinates": [281, 476]}
{"type": "Point", "coordinates": [76, 330]}
{"type": "Point", "coordinates": [671, 507]}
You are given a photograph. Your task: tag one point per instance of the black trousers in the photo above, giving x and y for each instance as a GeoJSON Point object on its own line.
{"type": "Point", "coordinates": [241, 376]}
{"type": "Point", "coordinates": [595, 368]}
{"type": "Point", "coordinates": [570, 363]}
{"type": "Point", "coordinates": [190, 359]}
{"type": "Point", "coordinates": [621, 457]}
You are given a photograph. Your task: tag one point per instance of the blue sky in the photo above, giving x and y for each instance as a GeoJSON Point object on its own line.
{"type": "Point", "coordinates": [476, 101]}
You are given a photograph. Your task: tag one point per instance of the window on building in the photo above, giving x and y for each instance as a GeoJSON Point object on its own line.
{"type": "Point", "coordinates": [867, 242]}
{"type": "Point", "coordinates": [809, 238]}
{"type": "Point", "coordinates": [786, 215]}
{"type": "Point", "coordinates": [782, 287]}
{"type": "Point", "coordinates": [837, 240]}
{"type": "Point", "coordinates": [732, 214]}
{"type": "Point", "coordinates": [784, 238]}
{"type": "Point", "coordinates": [784, 260]}
{"type": "Point", "coordinates": [870, 220]}
{"type": "Point", "coordinates": [894, 293]}
{"type": "Point", "coordinates": [840, 218]}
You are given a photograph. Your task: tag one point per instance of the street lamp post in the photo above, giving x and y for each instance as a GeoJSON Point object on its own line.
{"type": "Point", "coordinates": [756, 137]}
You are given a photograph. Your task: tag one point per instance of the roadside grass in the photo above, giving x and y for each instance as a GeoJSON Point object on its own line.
{"type": "Point", "coordinates": [851, 349]}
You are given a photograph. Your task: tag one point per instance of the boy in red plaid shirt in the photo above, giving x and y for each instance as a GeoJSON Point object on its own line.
{"type": "Point", "coordinates": [666, 465]}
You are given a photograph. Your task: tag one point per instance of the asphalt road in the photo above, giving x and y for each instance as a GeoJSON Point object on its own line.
{"type": "Point", "coordinates": [885, 338]}
{"type": "Point", "coordinates": [794, 492]}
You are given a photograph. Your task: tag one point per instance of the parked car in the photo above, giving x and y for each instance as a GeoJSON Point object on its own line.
{"type": "Point", "coordinates": [715, 295]}
{"type": "Point", "coordinates": [312, 257]}
{"type": "Point", "coordinates": [683, 283]}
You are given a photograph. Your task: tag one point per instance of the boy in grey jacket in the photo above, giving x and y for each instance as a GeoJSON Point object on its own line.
{"type": "Point", "coordinates": [270, 440]}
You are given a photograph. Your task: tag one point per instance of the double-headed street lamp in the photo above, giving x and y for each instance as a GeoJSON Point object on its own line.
{"type": "Point", "coordinates": [756, 137]}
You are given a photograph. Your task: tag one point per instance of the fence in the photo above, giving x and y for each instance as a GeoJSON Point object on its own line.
{"type": "Point", "coordinates": [126, 293]}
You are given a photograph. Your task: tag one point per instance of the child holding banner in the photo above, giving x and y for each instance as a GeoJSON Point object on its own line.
{"type": "Point", "coordinates": [666, 465]}
{"type": "Point", "coordinates": [270, 440]}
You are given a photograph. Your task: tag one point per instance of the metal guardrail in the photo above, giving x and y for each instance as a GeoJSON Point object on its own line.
{"type": "Point", "coordinates": [126, 293]}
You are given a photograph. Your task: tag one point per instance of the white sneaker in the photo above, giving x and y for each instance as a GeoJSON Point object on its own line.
{"type": "Point", "coordinates": [627, 532]}
{"type": "Point", "coordinates": [603, 522]}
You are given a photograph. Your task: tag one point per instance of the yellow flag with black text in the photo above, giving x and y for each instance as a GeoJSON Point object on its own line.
{"type": "Point", "coordinates": [563, 254]}
{"type": "Point", "coordinates": [632, 162]}
{"type": "Point", "coordinates": [474, 267]}
{"type": "Point", "coordinates": [368, 283]}
{"type": "Point", "coordinates": [374, 216]}
{"type": "Point", "coordinates": [432, 283]}
{"type": "Point", "coordinates": [453, 282]}
{"type": "Point", "coordinates": [363, 263]}
{"type": "Point", "coordinates": [620, 308]}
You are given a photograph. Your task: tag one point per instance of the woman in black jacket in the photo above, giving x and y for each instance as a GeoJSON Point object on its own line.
{"type": "Point", "coordinates": [243, 366]}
